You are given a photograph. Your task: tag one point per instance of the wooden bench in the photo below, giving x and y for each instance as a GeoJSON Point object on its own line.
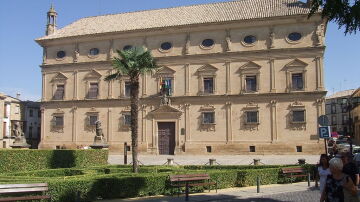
{"type": "Point", "coordinates": [191, 180]}
{"type": "Point", "coordinates": [32, 189]}
{"type": "Point", "coordinates": [294, 172]}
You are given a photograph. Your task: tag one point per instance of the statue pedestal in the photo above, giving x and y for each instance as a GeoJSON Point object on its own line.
{"type": "Point", "coordinates": [20, 143]}
{"type": "Point", "coordinates": [99, 143]}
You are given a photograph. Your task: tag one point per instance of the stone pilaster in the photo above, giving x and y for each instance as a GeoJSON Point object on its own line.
{"type": "Point", "coordinates": [43, 132]}
{"type": "Point", "coordinates": [272, 76]}
{"type": "Point", "coordinates": [273, 119]}
{"type": "Point", "coordinates": [110, 87]}
{"type": "Point", "coordinates": [143, 122]}
{"type": "Point", "coordinates": [43, 87]}
{"type": "Point", "coordinates": [75, 96]}
{"type": "Point", "coordinates": [229, 134]}
{"type": "Point", "coordinates": [144, 82]}
{"type": "Point", "coordinates": [187, 79]}
{"type": "Point", "coordinates": [319, 74]}
{"type": "Point", "coordinates": [74, 117]}
{"type": "Point", "coordinates": [109, 125]}
{"type": "Point", "coordinates": [228, 78]}
{"type": "Point", "coordinates": [187, 122]}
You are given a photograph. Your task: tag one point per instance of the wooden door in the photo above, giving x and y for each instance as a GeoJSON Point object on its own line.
{"type": "Point", "coordinates": [166, 138]}
{"type": "Point", "coordinates": [4, 129]}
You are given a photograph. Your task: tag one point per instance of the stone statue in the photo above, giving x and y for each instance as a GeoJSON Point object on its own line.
{"type": "Point", "coordinates": [20, 140]}
{"type": "Point", "coordinates": [99, 131]}
{"type": "Point", "coordinates": [165, 100]}
{"type": "Point", "coordinates": [187, 44]}
{"type": "Point", "coordinates": [17, 132]}
{"type": "Point", "coordinates": [76, 55]}
{"type": "Point", "coordinates": [271, 39]}
{"type": "Point", "coordinates": [228, 41]}
{"type": "Point", "coordinates": [99, 139]}
{"type": "Point", "coordinates": [319, 34]}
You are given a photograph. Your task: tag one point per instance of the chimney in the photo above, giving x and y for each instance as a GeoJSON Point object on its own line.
{"type": "Point", "coordinates": [18, 96]}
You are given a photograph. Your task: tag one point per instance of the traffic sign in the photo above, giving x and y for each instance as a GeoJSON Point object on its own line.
{"type": "Point", "coordinates": [324, 132]}
{"type": "Point", "coordinates": [323, 120]}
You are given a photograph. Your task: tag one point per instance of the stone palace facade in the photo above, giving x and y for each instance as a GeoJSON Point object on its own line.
{"type": "Point", "coordinates": [243, 77]}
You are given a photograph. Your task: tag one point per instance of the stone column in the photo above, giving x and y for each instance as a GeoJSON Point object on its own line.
{"type": "Point", "coordinates": [273, 119]}
{"type": "Point", "coordinates": [229, 135]}
{"type": "Point", "coordinates": [75, 96]}
{"type": "Point", "coordinates": [187, 80]}
{"type": "Point", "coordinates": [272, 76]}
{"type": "Point", "coordinates": [74, 137]}
{"type": "Point", "coordinates": [319, 110]}
{"type": "Point", "coordinates": [319, 74]}
{"type": "Point", "coordinates": [43, 87]}
{"type": "Point", "coordinates": [44, 55]}
{"type": "Point", "coordinates": [228, 78]}
{"type": "Point", "coordinates": [187, 123]}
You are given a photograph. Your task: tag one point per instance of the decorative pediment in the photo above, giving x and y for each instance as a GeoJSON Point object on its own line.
{"type": "Point", "coordinates": [165, 72]}
{"type": "Point", "coordinates": [207, 69]}
{"type": "Point", "coordinates": [58, 111]}
{"type": "Point", "coordinates": [296, 64]}
{"type": "Point", "coordinates": [297, 104]}
{"type": "Point", "coordinates": [250, 65]}
{"type": "Point", "coordinates": [93, 74]}
{"type": "Point", "coordinates": [165, 111]}
{"type": "Point", "coordinates": [207, 107]}
{"type": "Point", "coordinates": [251, 106]}
{"type": "Point", "coordinates": [59, 77]}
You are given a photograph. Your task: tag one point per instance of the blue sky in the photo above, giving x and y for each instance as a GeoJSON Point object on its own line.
{"type": "Point", "coordinates": [21, 21]}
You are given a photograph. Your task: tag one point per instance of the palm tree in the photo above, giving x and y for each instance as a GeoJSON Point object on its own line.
{"type": "Point", "coordinates": [133, 62]}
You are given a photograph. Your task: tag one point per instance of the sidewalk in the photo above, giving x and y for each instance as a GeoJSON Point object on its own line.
{"type": "Point", "coordinates": [231, 194]}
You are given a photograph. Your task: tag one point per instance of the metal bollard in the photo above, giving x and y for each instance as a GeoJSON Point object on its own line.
{"type": "Point", "coordinates": [258, 184]}
{"type": "Point", "coordinates": [256, 162]}
{"type": "Point", "coordinates": [308, 178]}
{"type": "Point", "coordinates": [212, 162]}
{"type": "Point", "coordinates": [125, 153]}
{"type": "Point", "coordinates": [170, 162]}
{"type": "Point", "coordinates": [301, 161]}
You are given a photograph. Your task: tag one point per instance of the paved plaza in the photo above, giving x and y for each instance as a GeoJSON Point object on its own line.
{"type": "Point", "coordinates": [220, 159]}
{"type": "Point", "coordinates": [298, 192]}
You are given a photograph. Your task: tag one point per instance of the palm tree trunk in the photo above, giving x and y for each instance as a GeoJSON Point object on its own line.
{"type": "Point", "coordinates": [134, 99]}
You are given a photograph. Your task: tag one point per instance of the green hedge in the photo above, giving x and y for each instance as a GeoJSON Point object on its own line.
{"type": "Point", "coordinates": [108, 182]}
{"type": "Point", "coordinates": [13, 160]}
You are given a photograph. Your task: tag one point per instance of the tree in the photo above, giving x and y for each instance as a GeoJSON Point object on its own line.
{"type": "Point", "coordinates": [133, 62]}
{"type": "Point", "coordinates": [343, 12]}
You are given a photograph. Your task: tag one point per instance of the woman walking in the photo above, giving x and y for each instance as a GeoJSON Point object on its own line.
{"type": "Point", "coordinates": [323, 170]}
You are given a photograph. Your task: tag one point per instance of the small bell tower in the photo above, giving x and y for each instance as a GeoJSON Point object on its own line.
{"type": "Point", "coordinates": [51, 21]}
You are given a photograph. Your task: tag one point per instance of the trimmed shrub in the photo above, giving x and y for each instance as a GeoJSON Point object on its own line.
{"type": "Point", "coordinates": [27, 160]}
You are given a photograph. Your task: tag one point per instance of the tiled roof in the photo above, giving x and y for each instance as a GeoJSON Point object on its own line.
{"type": "Point", "coordinates": [343, 93]}
{"type": "Point", "coordinates": [178, 16]}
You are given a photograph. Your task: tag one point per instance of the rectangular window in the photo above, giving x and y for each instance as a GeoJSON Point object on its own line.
{"type": "Point", "coordinates": [31, 113]}
{"type": "Point", "coordinates": [93, 91]}
{"type": "Point", "coordinates": [250, 83]}
{"type": "Point", "coordinates": [333, 109]}
{"type": "Point", "coordinates": [127, 89]}
{"type": "Point", "coordinates": [252, 117]}
{"type": "Point", "coordinates": [297, 81]}
{"type": "Point", "coordinates": [92, 120]}
{"type": "Point", "coordinates": [333, 120]}
{"type": "Point", "coordinates": [166, 86]}
{"type": "Point", "coordinates": [59, 93]}
{"type": "Point", "coordinates": [252, 148]}
{"type": "Point", "coordinates": [17, 110]}
{"type": "Point", "coordinates": [127, 119]}
{"type": "Point", "coordinates": [6, 111]}
{"type": "Point", "coordinates": [208, 117]}
{"type": "Point", "coordinates": [298, 148]}
{"type": "Point", "coordinates": [58, 121]}
{"type": "Point", "coordinates": [209, 85]}
{"type": "Point", "coordinates": [39, 113]}
{"type": "Point", "coordinates": [208, 149]}
{"type": "Point", "coordinates": [344, 108]}
{"type": "Point", "coordinates": [298, 116]}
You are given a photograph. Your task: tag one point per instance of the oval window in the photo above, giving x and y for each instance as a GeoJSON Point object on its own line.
{"type": "Point", "coordinates": [207, 43]}
{"type": "Point", "coordinates": [94, 51]}
{"type": "Point", "coordinates": [60, 54]}
{"type": "Point", "coordinates": [127, 47]}
{"type": "Point", "coordinates": [166, 46]}
{"type": "Point", "coordinates": [295, 36]}
{"type": "Point", "coordinates": [249, 39]}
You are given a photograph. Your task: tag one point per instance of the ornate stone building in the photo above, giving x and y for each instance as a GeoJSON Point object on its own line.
{"type": "Point", "coordinates": [242, 77]}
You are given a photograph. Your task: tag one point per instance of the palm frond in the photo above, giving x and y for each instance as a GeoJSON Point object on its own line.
{"type": "Point", "coordinates": [112, 76]}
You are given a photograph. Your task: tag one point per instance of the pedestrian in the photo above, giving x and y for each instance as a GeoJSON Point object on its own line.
{"type": "Point", "coordinates": [357, 160]}
{"type": "Point", "coordinates": [338, 186]}
{"type": "Point", "coordinates": [350, 167]}
{"type": "Point", "coordinates": [323, 171]}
